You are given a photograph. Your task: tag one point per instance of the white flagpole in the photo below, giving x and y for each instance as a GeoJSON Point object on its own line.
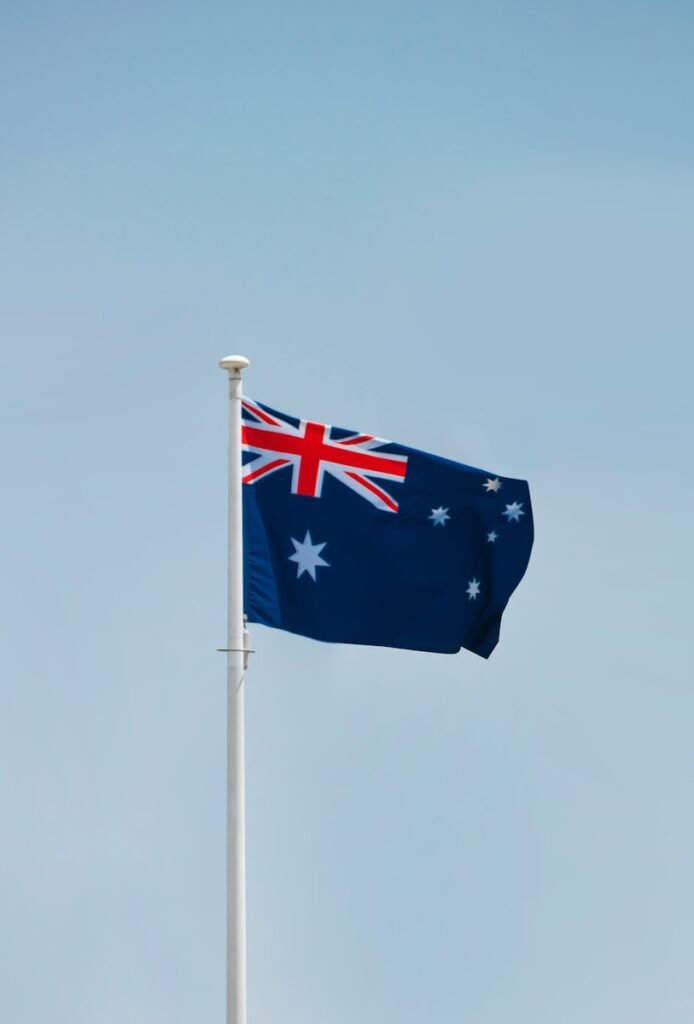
{"type": "Point", "coordinates": [236, 659]}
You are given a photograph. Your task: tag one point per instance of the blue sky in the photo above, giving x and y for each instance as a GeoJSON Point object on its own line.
{"type": "Point", "coordinates": [467, 227]}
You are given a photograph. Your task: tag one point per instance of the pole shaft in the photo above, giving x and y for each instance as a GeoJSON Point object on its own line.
{"type": "Point", "coordinates": [236, 801]}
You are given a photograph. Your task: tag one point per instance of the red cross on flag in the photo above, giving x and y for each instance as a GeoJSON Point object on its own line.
{"type": "Point", "coordinates": [312, 451]}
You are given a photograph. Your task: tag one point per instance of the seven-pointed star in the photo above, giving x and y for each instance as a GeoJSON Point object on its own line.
{"type": "Point", "coordinates": [492, 485]}
{"type": "Point", "coordinates": [439, 516]}
{"type": "Point", "coordinates": [307, 556]}
{"type": "Point", "coordinates": [473, 589]}
{"type": "Point", "coordinates": [491, 537]}
{"type": "Point", "coordinates": [514, 511]}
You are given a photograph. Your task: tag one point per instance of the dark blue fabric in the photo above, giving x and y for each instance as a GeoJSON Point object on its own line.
{"type": "Point", "coordinates": [392, 579]}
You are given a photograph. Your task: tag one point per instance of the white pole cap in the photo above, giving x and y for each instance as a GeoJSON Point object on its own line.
{"type": "Point", "coordinates": [234, 363]}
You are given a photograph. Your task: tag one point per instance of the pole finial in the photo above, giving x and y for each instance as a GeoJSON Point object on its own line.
{"type": "Point", "coordinates": [231, 363]}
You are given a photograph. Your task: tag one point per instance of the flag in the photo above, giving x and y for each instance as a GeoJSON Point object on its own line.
{"type": "Point", "coordinates": [353, 539]}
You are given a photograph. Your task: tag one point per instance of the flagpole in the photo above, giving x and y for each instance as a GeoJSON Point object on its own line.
{"type": "Point", "coordinates": [236, 800]}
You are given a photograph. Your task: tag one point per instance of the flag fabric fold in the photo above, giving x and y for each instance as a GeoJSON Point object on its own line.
{"type": "Point", "coordinates": [352, 539]}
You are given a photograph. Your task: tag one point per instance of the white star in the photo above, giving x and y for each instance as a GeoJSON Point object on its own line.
{"type": "Point", "coordinates": [473, 589]}
{"type": "Point", "coordinates": [514, 511]}
{"type": "Point", "coordinates": [491, 537]}
{"type": "Point", "coordinates": [307, 556]}
{"type": "Point", "coordinates": [439, 516]}
{"type": "Point", "coordinates": [492, 485]}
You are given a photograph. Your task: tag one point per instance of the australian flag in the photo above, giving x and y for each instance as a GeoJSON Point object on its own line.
{"type": "Point", "coordinates": [353, 539]}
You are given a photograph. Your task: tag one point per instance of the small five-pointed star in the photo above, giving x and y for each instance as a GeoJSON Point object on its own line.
{"type": "Point", "coordinates": [439, 516]}
{"type": "Point", "coordinates": [491, 536]}
{"type": "Point", "coordinates": [473, 589]}
{"type": "Point", "coordinates": [492, 485]}
{"type": "Point", "coordinates": [307, 556]}
{"type": "Point", "coordinates": [514, 511]}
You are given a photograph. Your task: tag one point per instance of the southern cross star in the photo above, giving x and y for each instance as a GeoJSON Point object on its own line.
{"type": "Point", "coordinates": [491, 537]}
{"type": "Point", "coordinates": [307, 556]}
{"type": "Point", "coordinates": [492, 485]}
{"type": "Point", "coordinates": [439, 516]}
{"type": "Point", "coordinates": [473, 589]}
{"type": "Point", "coordinates": [514, 511]}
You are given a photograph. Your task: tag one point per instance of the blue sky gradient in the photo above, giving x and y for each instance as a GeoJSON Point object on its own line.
{"type": "Point", "coordinates": [466, 227]}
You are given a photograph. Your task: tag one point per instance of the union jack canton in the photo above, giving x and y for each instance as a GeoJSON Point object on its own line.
{"type": "Point", "coordinates": [312, 451]}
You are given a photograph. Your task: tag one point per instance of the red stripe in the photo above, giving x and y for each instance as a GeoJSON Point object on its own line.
{"type": "Point", "coordinates": [268, 440]}
{"type": "Point", "coordinates": [311, 458]}
{"type": "Point", "coordinates": [359, 439]}
{"type": "Point", "coordinates": [369, 462]}
{"type": "Point", "coordinates": [265, 469]}
{"type": "Point", "coordinates": [264, 416]}
{"type": "Point", "coordinates": [385, 498]}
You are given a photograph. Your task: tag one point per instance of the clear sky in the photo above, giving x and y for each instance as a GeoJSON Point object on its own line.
{"type": "Point", "coordinates": [464, 226]}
